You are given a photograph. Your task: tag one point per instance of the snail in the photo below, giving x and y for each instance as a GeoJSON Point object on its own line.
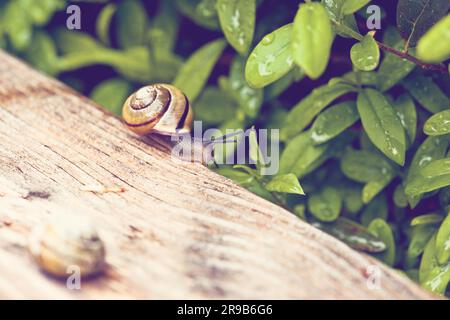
{"type": "Point", "coordinates": [164, 110]}
{"type": "Point", "coordinates": [66, 244]}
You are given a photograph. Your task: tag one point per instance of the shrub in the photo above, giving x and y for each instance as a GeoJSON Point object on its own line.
{"type": "Point", "coordinates": [364, 115]}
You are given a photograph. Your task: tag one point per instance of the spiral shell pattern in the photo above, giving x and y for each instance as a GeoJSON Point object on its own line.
{"type": "Point", "coordinates": [158, 108]}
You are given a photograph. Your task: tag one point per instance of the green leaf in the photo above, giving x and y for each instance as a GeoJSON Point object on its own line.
{"type": "Point", "coordinates": [42, 53]}
{"type": "Point", "coordinates": [162, 35]}
{"type": "Point", "coordinates": [195, 72]}
{"type": "Point", "coordinates": [287, 183]}
{"type": "Point", "coordinates": [214, 107]}
{"type": "Point", "coordinates": [415, 17]}
{"type": "Point", "coordinates": [75, 42]}
{"type": "Point", "coordinates": [382, 124]}
{"type": "Point", "coordinates": [326, 204]}
{"type": "Point", "coordinates": [421, 235]}
{"type": "Point", "coordinates": [305, 111]}
{"type": "Point", "coordinates": [111, 94]}
{"type": "Point", "coordinates": [443, 242]}
{"type": "Point", "coordinates": [426, 92]}
{"type": "Point", "coordinates": [434, 46]}
{"type": "Point", "coordinates": [399, 197]}
{"type": "Point", "coordinates": [383, 231]}
{"type": "Point", "coordinates": [344, 25]}
{"type": "Point", "coordinates": [275, 89]}
{"type": "Point", "coordinates": [17, 25]}
{"type": "Point", "coordinates": [270, 59]}
{"type": "Point", "coordinates": [353, 234]}
{"type": "Point", "coordinates": [249, 99]}
{"type": "Point", "coordinates": [433, 276]}
{"type": "Point", "coordinates": [375, 209]}
{"type": "Point", "coordinates": [351, 194]}
{"type": "Point", "coordinates": [103, 23]}
{"type": "Point", "coordinates": [432, 148]}
{"type": "Point", "coordinates": [131, 23]}
{"type": "Point", "coordinates": [406, 112]}
{"type": "Point", "coordinates": [40, 12]}
{"type": "Point", "coordinates": [237, 19]}
{"type": "Point", "coordinates": [134, 63]}
{"type": "Point", "coordinates": [433, 176]}
{"type": "Point", "coordinates": [299, 211]}
{"type": "Point", "coordinates": [393, 68]}
{"type": "Point", "coordinates": [202, 12]}
{"type": "Point", "coordinates": [312, 37]}
{"type": "Point", "coordinates": [371, 168]}
{"type": "Point", "coordinates": [365, 55]}
{"type": "Point", "coordinates": [426, 219]}
{"type": "Point", "coordinates": [351, 6]}
{"type": "Point", "coordinates": [300, 154]}
{"type": "Point", "coordinates": [333, 121]}
{"type": "Point", "coordinates": [438, 124]}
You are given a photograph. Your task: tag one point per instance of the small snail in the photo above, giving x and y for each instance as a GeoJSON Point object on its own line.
{"type": "Point", "coordinates": [66, 244]}
{"type": "Point", "coordinates": [165, 110]}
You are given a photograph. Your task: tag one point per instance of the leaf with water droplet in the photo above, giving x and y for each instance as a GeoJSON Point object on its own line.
{"type": "Point", "coordinates": [426, 92]}
{"type": "Point", "coordinates": [344, 24]}
{"type": "Point", "coordinates": [432, 148]}
{"type": "Point", "coordinates": [192, 76]}
{"type": "Point", "coordinates": [312, 37]}
{"type": "Point", "coordinates": [333, 121]}
{"type": "Point", "coordinates": [443, 242]}
{"type": "Point", "coordinates": [383, 231]}
{"type": "Point", "coordinates": [370, 168]}
{"type": "Point", "coordinates": [365, 55]}
{"type": "Point", "coordinates": [305, 111]}
{"type": "Point", "coordinates": [382, 124]}
{"type": "Point", "coordinates": [249, 99]}
{"type": "Point", "coordinates": [202, 12]}
{"type": "Point", "coordinates": [285, 183]}
{"type": "Point", "coordinates": [438, 124]}
{"type": "Point", "coordinates": [237, 19]}
{"type": "Point", "coordinates": [406, 112]}
{"type": "Point", "coordinates": [432, 176]}
{"type": "Point", "coordinates": [353, 234]}
{"type": "Point", "coordinates": [432, 275]}
{"type": "Point", "coordinates": [270, 59]}
{"type": "Point", "coordinates": [434, 46]}
{"type": "Point", "coordinates": [326, 204]}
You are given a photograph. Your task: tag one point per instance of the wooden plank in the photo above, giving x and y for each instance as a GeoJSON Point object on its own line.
{"type": "Point", "coordinates": [178, 230]}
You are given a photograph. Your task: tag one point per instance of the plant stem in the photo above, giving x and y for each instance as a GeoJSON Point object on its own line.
{"type": "Point", "coordinates": [428, 66]}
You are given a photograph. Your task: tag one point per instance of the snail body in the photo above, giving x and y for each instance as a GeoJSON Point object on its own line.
{"type": "Point", "coordinates": [163, 109]}
{"type": "Point", "coordinates": [65, 242]}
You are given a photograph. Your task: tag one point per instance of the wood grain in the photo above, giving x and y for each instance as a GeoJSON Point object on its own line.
{"type": "Point", "coordinates": [177, 231]}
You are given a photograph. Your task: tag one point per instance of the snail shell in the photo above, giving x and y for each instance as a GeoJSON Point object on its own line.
{"type": "Point", "coordinates": [67, 241]}
{"type": "Point", "coordinates": [158, 108]}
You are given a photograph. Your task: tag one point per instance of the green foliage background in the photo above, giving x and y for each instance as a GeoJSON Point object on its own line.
{"type": "Point", "coordinates": [365, 131]}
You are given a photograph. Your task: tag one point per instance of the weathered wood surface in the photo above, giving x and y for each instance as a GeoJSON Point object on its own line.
{"type": "Point", "coordinates": [178, 230]}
